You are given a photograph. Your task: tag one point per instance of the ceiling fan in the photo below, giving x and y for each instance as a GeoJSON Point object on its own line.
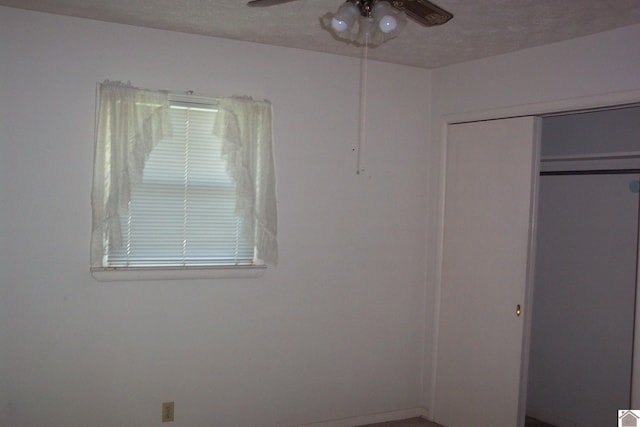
{"type": "Point", "coordinates": [372, 22]}
{"type": "Point", "coordinates": [422, 11]}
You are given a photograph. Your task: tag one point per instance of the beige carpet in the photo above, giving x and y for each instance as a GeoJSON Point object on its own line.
{"type": "Point", "coordinates": [421, 422]}
{"type": "Point", "coordinates": [411, 422]}
{"type": "Point", "coordinates": [532, 422]}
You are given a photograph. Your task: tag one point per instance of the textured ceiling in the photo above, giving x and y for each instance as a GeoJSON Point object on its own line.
{"type": "Point", "coordinates": [480, 28]}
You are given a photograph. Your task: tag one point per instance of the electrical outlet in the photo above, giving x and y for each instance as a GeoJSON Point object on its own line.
{"type": "Point", "coordinates": [167, 411]}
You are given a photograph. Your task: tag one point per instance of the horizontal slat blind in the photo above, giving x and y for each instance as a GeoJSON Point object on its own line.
{"type": "Point", "coordinates": [183, 213]}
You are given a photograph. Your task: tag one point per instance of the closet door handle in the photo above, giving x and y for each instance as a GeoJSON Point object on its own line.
{"type": "Point", "coordinates": [518, 310]}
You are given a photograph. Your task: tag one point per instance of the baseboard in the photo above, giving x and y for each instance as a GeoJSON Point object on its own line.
{"type": "Point", "coordinates": [373, 418]}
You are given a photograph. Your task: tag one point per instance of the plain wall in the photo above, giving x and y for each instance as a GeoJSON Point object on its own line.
{"type": "Point", "coordinates": [594, 132]}
{"type": "Point", "coordinates": [581, 71]}
{"type": "Point", "coordinates": [335, 330]}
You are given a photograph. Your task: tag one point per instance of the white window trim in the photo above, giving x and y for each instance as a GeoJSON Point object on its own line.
{"type": "Point", "coordinates": [130, 274]}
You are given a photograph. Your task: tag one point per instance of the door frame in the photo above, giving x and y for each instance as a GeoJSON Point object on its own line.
{"type": "Point", "coordinates": [564, 106]}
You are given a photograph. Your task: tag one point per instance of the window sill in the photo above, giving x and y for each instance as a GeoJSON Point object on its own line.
{"type": "Point", "coordinates": [128, 274]}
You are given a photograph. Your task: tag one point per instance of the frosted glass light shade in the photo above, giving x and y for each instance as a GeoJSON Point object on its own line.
{"type": "Point", "coordinates": [338, 25]}
{"type": "Point", "coordinates": [345, 17]}
{"type": "Point", "coordinates": [388, 18]}
{"type": "Point", "coordinates": [387, 24]}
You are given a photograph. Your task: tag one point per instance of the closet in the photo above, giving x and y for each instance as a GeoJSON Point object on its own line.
{"type": "Point", "coordinates": [586, 268]}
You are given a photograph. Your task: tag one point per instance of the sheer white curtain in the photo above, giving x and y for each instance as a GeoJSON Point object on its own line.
{"type": "Point", "coordinates": [131, 122]}
{"type": "Point", "coordinates": [245, 127]}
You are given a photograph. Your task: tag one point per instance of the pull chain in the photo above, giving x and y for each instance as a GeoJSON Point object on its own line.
{"type": "Point", "coordinates": [362, 130]}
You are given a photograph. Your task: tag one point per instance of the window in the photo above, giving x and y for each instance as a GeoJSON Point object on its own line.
{"type": "Point", "coordinates": [180, 182]}
{"type": "Point", "coordinates": [183, 211]}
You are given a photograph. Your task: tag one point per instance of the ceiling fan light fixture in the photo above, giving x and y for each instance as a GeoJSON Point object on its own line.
{"type": "Point", "coordinates": [360, 22]}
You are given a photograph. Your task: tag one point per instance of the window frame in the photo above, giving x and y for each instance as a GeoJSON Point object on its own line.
{"type": "Point", "coordinates": [196, 272]}
{"type": "Point", "coordinates": [128, 274]}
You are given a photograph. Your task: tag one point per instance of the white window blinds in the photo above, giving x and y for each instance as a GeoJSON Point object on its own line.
{"type": "Point", "coordinates": [183, 213]}
{"type": "Point", "coordinates": [182, 181]}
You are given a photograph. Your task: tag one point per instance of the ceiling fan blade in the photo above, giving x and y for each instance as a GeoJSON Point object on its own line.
{"type": "Point", "coordinates": [423, 11]}
{"type": "Point", "coordinates": [263, 3]}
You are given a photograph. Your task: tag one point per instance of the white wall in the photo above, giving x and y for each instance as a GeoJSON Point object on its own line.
{"type": "Point", "coordinates": [605, 65]}
{"type": "Point", "coordinates": [335, 330]}
{"type": "Point", "coordinates": [595, 132]}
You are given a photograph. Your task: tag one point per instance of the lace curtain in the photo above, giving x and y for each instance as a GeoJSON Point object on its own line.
{"type": "Point", "coordinates": [131, 122]}
{"type": "Point", "coordinates": [245, 128]}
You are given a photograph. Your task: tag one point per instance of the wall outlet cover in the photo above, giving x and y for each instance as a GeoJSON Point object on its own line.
{"type": "Point", "coordinates": [167, 412]}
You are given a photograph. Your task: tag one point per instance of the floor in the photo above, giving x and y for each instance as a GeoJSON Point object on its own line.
{"type": "Point", "coordinates": [421, 422]}
{"type": "Point", "coordinates": [532, 422]}
{"type": "Point", "coordinates": [411, 422]}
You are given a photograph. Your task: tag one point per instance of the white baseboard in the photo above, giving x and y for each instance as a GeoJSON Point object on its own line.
{"type": "Point", "coordinates": [373, 418]}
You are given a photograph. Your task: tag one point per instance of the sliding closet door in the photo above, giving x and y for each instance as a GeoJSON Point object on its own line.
{"type": "Point", "coordinates": [584, 297]}
{"type": "Point", "coordinates": [490, 176]}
